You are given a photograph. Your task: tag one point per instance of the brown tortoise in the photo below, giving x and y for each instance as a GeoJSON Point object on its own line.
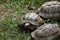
{"type": "Point", "coordinates": [46, 32]}
{"type": "Point", "coordinates": [31, 21]}
{"type": "Point", "coordinates": [50, 10]}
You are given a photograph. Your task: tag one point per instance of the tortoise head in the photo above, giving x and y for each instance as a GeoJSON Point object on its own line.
{"type": "Point", "coordinates": [29, 26]}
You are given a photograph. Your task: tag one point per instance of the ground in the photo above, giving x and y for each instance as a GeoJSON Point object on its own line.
{"type": "Point", "coordinates": [10, 16]}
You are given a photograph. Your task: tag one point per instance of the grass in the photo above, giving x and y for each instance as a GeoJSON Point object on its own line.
{"type": "Point", "coordinates": [9, 18]}
{"type": "Point", "coordinates": [10, 14]}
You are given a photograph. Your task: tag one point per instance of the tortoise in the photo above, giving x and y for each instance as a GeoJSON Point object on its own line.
{"type": "Point", "coordinates": [46, 32]}
{"type": "Point", "coordinates": [31, 21]}
{"type": "Point", "coordinates": [50, 10]}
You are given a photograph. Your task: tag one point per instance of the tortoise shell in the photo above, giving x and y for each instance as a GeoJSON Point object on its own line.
{"type": "Point", "coordinates": [46, 30]}
{"type": "Point", "coordinates": [49, 10]}
{"type": "Point", "coordinates": [31, 20]}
